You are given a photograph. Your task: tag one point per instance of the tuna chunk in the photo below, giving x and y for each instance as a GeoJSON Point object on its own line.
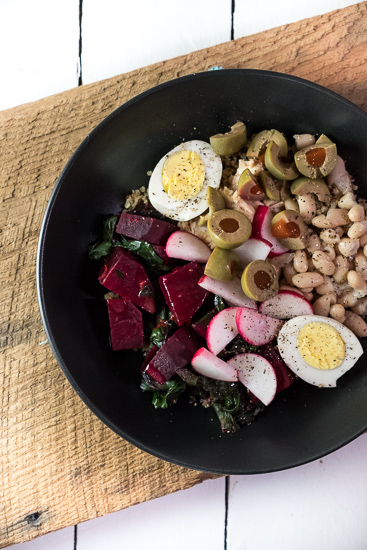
{"type": "Point", "coordinates": [125, 276]}
{"type": "Point", "coordinates": [144, 228]}
{"type": "Point", "coordinates": [182, 293]}
{"type": "Point", "coordinates": [126, 324]}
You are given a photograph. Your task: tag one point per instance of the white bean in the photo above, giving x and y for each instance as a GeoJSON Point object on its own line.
{"type": "Point", "coordinates": [341, 269]}
{"type": "Point", "coordinates": [348, 247]}
{"type": "Point", "coordinates": [330, 236]}
{"type": "Point", "coordinates": [307, 207]}
{"type": "Point", "coordinates": [365, 250]}
{"type": "Point", "coordinates": [313, 243]}
{"type": "Point", "coordinates": [357, 229]}
{"type": "Point", "coordinates": [363, 240]}
{"type": "Point", "coordinates": [348, 299]}
{"type": "Point", "coordinates": [347, 201]}
{"type": "Point", "coordinates": [322, 263]}
{"type": "Point", "coordinates": [300, 261]}
{"type": "Point", "coordinates": [337, 216]}
{"type": "Point", "coordinates": [308, 296]}
{"type": "Point", "coordinates": [356, 324]}
{"type": "Point", "coordinates": [337, 312]}
{"type": "Point", "coordinates": [289, 272]}
{"type": "Point", "coordinates": [326, 287]}
{"type": "Point", "coordinates": [360, 260]}
{"type": "Point", "coordinates": [323, 304]}
{"type": "Point", "coordinates": [305, 280]}
{"type": "Point", "coordinates": [357, 282]}
{"type": "Point", "coordinates": [330, 251]}
{"type": "Point", "coordinates": [361, 306]}
{"type": "Point", "coordinates": [356, 213]}
{"type": "Point", "coordinates": [322, 222]}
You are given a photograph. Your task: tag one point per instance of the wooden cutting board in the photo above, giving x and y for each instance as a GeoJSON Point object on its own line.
{"type": "Point", "coordinates": [59, 465]}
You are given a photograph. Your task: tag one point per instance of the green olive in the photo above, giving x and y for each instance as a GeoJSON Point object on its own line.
{"type": "Point", "coordinates": [223, 265]}
{"type": "Point", "coordinates": [276, 166]}
{"type": "Point", "coordinates": [259, 280]}
{"type": "Point", "coordinates": [323, 139]}
{"type": "Point", "coordinates": [317, 160]}
{"type": "Point", "coordinates": [290, 229]}
{"type": "Point", "coordinates": [231, 142]}
{"type": "Point", "coordinates": [249, 188]}
{"type": "Point", "coordinates": [270, 186]}
{"type": "Point", "coordinates": [229, 228]}
{"type": "Point", "coordinates": [302, 186]}
{"type": "Point", "coordinates": [215, 201]}
{"type": "Point", "coordinates": [260, 142]}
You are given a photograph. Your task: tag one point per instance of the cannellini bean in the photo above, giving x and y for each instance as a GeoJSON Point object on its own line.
{"type": "Point", "coordinates": [291, 204]}
{"type": "Point", "coordinates": [356, 324]}
{"type": "Point", "coordinates": [363, 240]}
{"type": "Point", "coordinates": [365, 250]}
{"type": "Point", "coordinates": [349, 298]}
{"type": "Point", "coordinates": [357, 282]}
{"type": "Point", "coordinates": [311, 267]}
{"type": "Point", "coordinates": [329, 250]}
{"type": "Point", "coordinates": [348, 246]}
{"type": "Point", "coordinates": [305, 280]}
{"type": "Point", "coordinates": [357, 229]}
{"type": "Point", "coordinates": [313, 243]}
{"type": "Point", "coordinates": [337, 312]}
{"type": "Point", "coordinates": [330, 236]}
{"type": "Point", "coordinates": [307, 207]}
{"type": "Point", "coordinates": [326, 287]}
{"type": "Point", "coordinates": [337, 216]}
{"type": "Point", "coordinates": [347, 201]}
{"type": "Point", "coordinates": [361, 307]}
{"type": "Point", "coordinates": [322, 263]}
{"type": "Point", "coordinates": [300, 261]}
{"type": "Point", "coordinates": [303, 140]}
{"type": "Point", "coordinates": [341, 269]}
{"type": "Point", "coordinates": [308, 296]}
{"type": "Point", "coordinates": [323, 304]}
{"type": "Point", "coordinates": [289, 272]}
{"type": "Point", "coordinates": [322, 222]}
{"type": "Point", "coordinates": [356, 213]}
{"type": "Point", "coordinates": [360, 260]}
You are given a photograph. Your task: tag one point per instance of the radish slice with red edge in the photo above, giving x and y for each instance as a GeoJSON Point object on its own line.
{"type": "Point", "coordinates": [255, 328]}
{"type": "Point", "coordinates": [230, 291]}
{"type": "Point", "coordinates": [186, 246]}
{"type": "Point", "coordinates": [256, 374]}
{"type": "Point", "coordinates": [261, 227]}
{"type": "Point", "coordinates": [255, 248]}
{"type": "Point", "coordinates": [208, 364]}
{"type": "Point", "coordinates": [286, 305]}
{"type": "Point", "coordinates": [221, 330]}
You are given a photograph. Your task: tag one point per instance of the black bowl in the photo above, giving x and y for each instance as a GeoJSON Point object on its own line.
{"type": "Point", "coordinates": [303, 423]}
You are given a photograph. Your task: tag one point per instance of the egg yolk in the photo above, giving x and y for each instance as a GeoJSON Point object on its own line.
{"type": "Point", "coordinates": [183, 175]}
{"type": "Point", "coordinates": [321, 346]}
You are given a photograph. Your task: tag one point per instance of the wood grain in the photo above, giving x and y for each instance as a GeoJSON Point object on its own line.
{"type": "Point", "coordinates": [59, 465]}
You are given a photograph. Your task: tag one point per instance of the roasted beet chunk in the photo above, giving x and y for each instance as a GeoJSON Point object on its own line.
{"type": "Point", "coordinates": [144, 228]}
{"type": "Point", "coordinates": [124, 275]}
{"type": "Point", "coordinates": [126, 324]}
{"type": "Point", "coordinates": [182, 293]}
{"type": "Point", "coordinates": [176, 353]}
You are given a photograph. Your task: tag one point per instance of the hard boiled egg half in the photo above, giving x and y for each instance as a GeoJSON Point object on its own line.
{"type": "Point", "coordinates": [179, 183]}
{"type": "Point", "coordinates": [318, 349]}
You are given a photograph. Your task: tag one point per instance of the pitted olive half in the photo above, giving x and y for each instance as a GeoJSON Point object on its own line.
{"type": "Point", "coordinates": [249, 188]}
{"type": "Point", "coordinates": [290, 229]}
{"type": "Point", "coordinates": [223, 265]}
{"type": "Point", "coordinates": [261, 140]}
{"type": "Point", "coordinates": [259, 280]}
{"type": "Point", "coordinates": [277, 166]}
{"type": "Point", "coordinates": [302, 186]}
{"type": "Point", "coordinates": [317, 160]}
{"type": "Point", "coordinates": [231, 142]}
{"type": "Point", "coordinates": [229, 228]}
{"type": "Point", "coordinates": [215, 201]}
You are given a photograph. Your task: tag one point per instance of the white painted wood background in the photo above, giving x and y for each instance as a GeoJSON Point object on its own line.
{"type": "Point", "coordinates": [319, 506]}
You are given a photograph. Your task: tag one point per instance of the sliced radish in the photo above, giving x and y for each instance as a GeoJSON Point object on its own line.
{"type": "Point", "coordinates": [230, 291]}
{"type": "Point", "coordinates": [255, 328]}
{"type": "Point", "coordinates": [261, 227]}
{"type": "Point", "coordinates": [286, 305]}
{"type": "Point", "coordinates": [255, 248]}
{"type": "Point", "coordinates": [221, 330]}
{"type": "Point", "coordinates": [257, 374]}
{"type": "Point", "coordinates": [186, 246]}
{"type": "Point", "coordinates": [208, 364]}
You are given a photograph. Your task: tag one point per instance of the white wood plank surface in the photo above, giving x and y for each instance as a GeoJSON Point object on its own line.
{"type": "Point", "coordinates": [59, 540]}
{"type": "Point", "coordinates": [318, 506]}
{"type": "Point", "coordinates": [39, 45]}
{"type": "Point", "coordinates": [122, 36]}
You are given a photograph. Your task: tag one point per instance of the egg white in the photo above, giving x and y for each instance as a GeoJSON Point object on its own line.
{"type": "Point", "coordinates": [190, 208]}
{"type": "Point", "coordinates": [287, 345]}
